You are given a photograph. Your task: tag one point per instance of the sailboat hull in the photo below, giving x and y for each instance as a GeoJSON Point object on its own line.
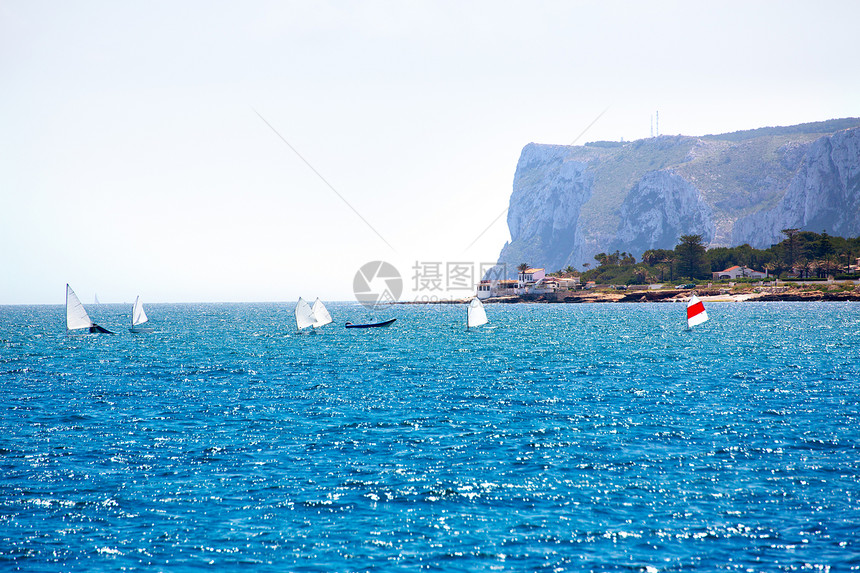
{"type": "Point", "coordinates": [374, 325]}
{"type": "Point", "coordinates": [96, 329]}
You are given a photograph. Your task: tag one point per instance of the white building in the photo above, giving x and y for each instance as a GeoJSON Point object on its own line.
{"type": "Point", "coordinates": [568, 283]}
{"type": "Point", "coordinates": [531, 276]}
{"type": "Point", "coordinates": [737, 272]}
{"type": "Point", "coordinates": [487, 289]}
{"type": "Point", "coordinates": [531, 281]}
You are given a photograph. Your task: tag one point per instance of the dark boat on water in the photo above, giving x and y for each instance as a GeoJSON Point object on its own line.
{"type": "Point", "coordinates": [373, 325]}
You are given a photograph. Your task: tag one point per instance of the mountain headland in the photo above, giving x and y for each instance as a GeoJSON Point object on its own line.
{"type": "Point", "coordinates": [571, 202]}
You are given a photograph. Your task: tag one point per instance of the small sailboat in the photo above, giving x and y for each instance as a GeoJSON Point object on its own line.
{"type": "Point", "coordinates": [138, 317]}
{"type": "Point", "coordinates": [475, 314]}
{"type": "Point", "coordinates": [304, 315]}
{"type": "Point", "coordinates": [321, 314]}
{"type": "Point", "coordinates": [382, 324]}
{"type": "Point", "coordinates": [696, 313]}
{"type": "Point", "coordinates": [76, 314]}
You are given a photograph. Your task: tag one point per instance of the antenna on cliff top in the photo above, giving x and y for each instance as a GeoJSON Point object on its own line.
{"type": "Point", "coordinates": [658, 123]}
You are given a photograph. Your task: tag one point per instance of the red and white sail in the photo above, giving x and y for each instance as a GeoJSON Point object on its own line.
{"type": "Point", "coordinates": [696, 313]}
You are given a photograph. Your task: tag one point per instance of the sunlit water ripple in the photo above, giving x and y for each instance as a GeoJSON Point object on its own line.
{"type": "Point", "coordinates": [556, 438]}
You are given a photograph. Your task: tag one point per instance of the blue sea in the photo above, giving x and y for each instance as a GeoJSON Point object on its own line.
{"type": "Point", "coordinates": [590, 437]}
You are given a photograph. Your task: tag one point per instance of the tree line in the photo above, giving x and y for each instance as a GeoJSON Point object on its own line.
{"type": "Point", "coordinates": [801, 254]}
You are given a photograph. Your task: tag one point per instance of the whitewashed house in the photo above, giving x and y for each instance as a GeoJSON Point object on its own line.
{"type": "Point", "coordinates": [737, 272]}
{"type": "Point", "coordinates": [493, 288]}
{"type": "Point", "coordinates": [568, 283]}
{"type": "Point", "coordinates": [530, 276]}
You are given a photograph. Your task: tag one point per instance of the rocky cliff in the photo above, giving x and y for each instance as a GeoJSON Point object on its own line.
{"type": "Point", "coordinates": [823, 195]}
{"type": "Point", "coordinates": [549, 192]}
{"type": "Point", "coordinates": [572, 202]}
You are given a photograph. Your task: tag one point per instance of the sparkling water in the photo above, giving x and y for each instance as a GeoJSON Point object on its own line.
{"type": "Point", "coordinates": [555, 438]}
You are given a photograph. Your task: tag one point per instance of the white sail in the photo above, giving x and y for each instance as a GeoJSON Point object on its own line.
{"type": "Point", "coordinates": [138, 315]}
{"type": "Point", "coordinates": [321, 314]}
{"type": "Point", "coordinates": [76, 315]}
{"type": "Point", "coordinates": [475, 314]}
{"type": "Point", "coordinates": [696, 313]}
{"type": "Point", "coordinates": [304, 315]}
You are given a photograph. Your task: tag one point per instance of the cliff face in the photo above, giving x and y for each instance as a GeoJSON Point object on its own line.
{"type": "Point", "coordinates": [824, 195]}
{"type": "Point", "coordinates": [572, 202]}
{"type": "Point", "coordinates": [661, 207]}
{"type": "Point", "coordinates": [543, 217]}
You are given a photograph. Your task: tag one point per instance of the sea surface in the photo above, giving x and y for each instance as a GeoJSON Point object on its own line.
{"type": "Point", "coordinates": [602, 437]}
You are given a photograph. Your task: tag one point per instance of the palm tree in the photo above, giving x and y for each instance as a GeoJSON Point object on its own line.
{"type": "Point", "coordinates": [522, 268]}
{"type": "Point", "coordinates": [649, 257]}
{"type": "Point", "coordinates": [829, 267]}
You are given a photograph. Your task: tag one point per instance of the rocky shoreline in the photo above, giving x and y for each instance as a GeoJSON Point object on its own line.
{"type": "Point", "coordinates": [832, 293]}
{"type": "Point", "coordinates": [678, 295]}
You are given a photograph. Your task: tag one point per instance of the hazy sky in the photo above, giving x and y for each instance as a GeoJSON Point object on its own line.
{"type": "Point", "coordinates": [133, 159]}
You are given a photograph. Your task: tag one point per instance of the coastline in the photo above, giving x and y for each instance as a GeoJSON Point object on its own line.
{"type": "Point", "coordinates": [683, 295]}
{"type": "Point", "coordinates": [709, 295]}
